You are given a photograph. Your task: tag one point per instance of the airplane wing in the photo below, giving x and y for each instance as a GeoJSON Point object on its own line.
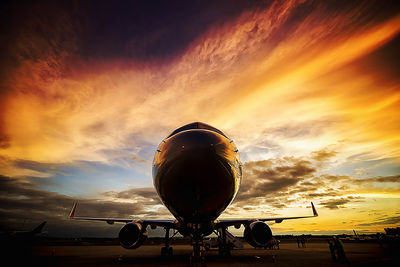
{"type": "Point", "coordinates": [162, 223]}
{"type": "Point", "coordinates": [236, 222]}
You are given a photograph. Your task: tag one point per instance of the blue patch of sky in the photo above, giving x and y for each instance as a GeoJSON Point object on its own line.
{"type": "Point", "coordinates": [125, 168]}
{"type": "Point", "coordinates": [88, 179]}
{"type": "Point", "coordinates": [368, 168]}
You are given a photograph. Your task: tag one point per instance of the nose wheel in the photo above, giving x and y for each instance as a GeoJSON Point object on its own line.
{"type": "Point", "coordinates": [197, 257]}
{"type": "Point", "coordinates": [167, 250]}
{"type": "Point", "coordinates": [197, 242]}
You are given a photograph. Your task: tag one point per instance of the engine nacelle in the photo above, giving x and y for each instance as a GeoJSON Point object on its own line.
{"type": "Point", "coordinates": [257, 234]}
{"type": "Point", "coordinates": [132, 235]}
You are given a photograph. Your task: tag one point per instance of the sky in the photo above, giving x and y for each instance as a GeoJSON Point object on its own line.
{"type": "Point", "coordinates": [308, 90]}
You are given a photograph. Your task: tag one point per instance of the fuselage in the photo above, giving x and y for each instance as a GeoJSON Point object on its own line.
{"type": "Point", "coordinates": [197, 173]}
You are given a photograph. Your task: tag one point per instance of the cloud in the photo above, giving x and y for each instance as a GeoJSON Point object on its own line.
{"type": "Point", "coordinates": [146, 193]}
{"type": "Point", "coordinates": [278, 182]}
{"type": "Point", "coordinates": [22, 201]}
{"type": "Point", "coordinates": [323, 194]}
{"type": "Point", "coordinates": [350, 185]}
{"type": "Point", "coordinates": [384, 179]}
{"type": "Point", "coordinates": [340, 202]}
{"type": "Point", "coordinates": [86, 103]}
{"type": "Point", "coordinates": [323, 155]}
{"type": "Point", "coordinates": [262, 179]}
{"type": "Point", "coordinates": [296, 130]}
{"type": "Point", "coordinates": [384, 221]}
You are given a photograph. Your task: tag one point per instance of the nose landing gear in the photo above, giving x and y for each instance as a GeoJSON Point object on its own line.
{"type": "Point", "coordinates": [197, 257]}
{"type": "Point", "coordinates": [167, 250]}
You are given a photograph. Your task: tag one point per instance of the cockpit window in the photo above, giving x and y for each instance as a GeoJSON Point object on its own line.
{"type": "Point", "coordinates": [196, 125]}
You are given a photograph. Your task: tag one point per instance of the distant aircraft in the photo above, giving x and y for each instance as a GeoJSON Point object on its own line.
{"type": "Point", "coordinates": [26, 234]}
{"type": "Point", "coordinates": [19, 241]}
{"type": "Point", "coordinates": [356, 236]}
{"type": "Point", "coordinates": [197, 174]}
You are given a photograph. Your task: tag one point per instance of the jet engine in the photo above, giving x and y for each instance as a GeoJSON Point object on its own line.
{"type": "Point", "coordinates": [257, 234]}
{"type": "Point", "coordinates": [132, 235]}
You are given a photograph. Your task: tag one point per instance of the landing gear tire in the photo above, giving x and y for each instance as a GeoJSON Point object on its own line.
{"type": "Point", "coordinates": [197, 261]}
{"type": "Point", "coordinates": [166, 251]}
{"type": "Point", "coordinates": [163, 251]}
{"type": "Point", "coordinates": [224, 252]}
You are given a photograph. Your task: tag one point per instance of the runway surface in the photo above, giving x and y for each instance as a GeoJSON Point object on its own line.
{"type": "Point", "coordinates": [315, 254]}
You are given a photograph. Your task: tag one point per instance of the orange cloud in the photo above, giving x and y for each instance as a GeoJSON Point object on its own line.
{"type": "Point", "coordinates": [244, 75]}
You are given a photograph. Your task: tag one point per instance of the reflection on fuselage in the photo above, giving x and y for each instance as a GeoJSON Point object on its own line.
{"type": "Point", "coordinates": [197, 173]}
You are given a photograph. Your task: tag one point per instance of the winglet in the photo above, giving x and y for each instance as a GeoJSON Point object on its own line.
{"type": "Point", "coordinates": [72, 213]}
{"type": "Point", "coordinates": [315, 213]}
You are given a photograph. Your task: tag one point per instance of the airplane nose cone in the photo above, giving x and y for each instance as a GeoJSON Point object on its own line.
{"type": "Point", "coordinates": [193, 174]}
{"type": "Point", "coordinates": [195, 144]}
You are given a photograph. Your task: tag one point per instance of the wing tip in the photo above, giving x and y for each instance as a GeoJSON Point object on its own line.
{"type": "Point", "coordinates": [315, 213]}
{"type": "Point", "coordinates": [72, 213]}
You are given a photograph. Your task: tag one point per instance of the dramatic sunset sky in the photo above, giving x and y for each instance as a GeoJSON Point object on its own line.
{"type": "Point", "coordinates": [308, 90]}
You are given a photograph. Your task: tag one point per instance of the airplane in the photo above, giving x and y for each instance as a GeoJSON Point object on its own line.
{"type": "Point", "coordinates": [356, 236]}
{"type": "Point", "coordinates": [197, 173]}
{"type": "Point", "coordinates": [28, 234]}
{"type": "Point", "coordinates": [19, 240]}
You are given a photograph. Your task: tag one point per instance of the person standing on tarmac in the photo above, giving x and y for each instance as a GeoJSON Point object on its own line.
{"type": "Point", "coordinates": [332, 250]}
{"type": "Point", "coordinates": [303, 241]}
{"type": "Point", "coordinates": [341, 256]}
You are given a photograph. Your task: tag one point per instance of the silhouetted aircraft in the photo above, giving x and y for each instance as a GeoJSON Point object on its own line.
{"type": "Point", "coordinates": [25, 234]}
{"type": "Point", "coordinates": [197, 174]}
{"type": "Point", "coordinates": [19, 241]}
{"type": "Point", "coordinates": [29, 234]}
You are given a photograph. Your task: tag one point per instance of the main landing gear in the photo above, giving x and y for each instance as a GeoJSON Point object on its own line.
{"type": "Point", "coordinates": [167, 250]}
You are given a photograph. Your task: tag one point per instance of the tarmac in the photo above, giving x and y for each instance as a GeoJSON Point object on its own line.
{"type": "Point", "coordinates": [315, 254]}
